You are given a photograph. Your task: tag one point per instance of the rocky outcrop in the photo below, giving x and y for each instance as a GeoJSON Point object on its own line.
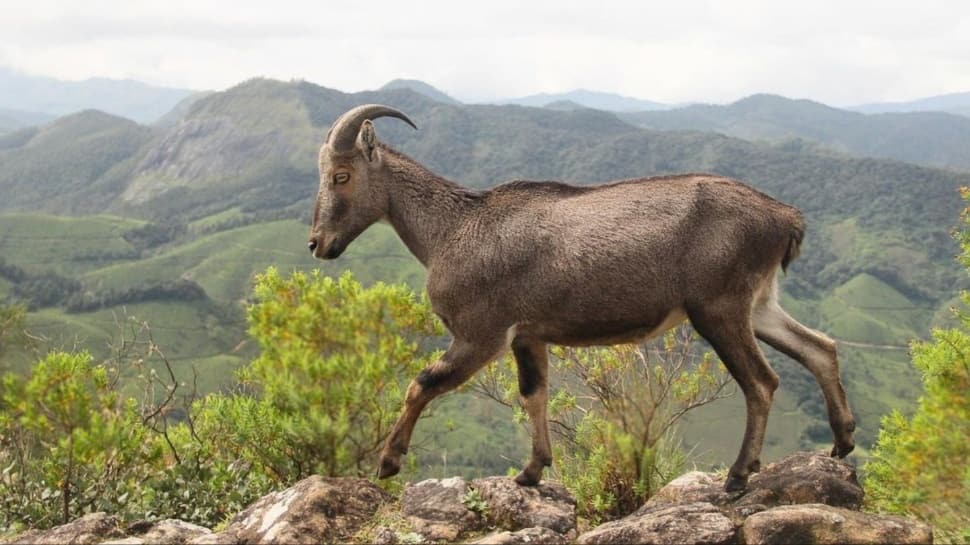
{"type": "Point", "coordinates": [804, 498]}
{"type": "Point", "coordinates": [314, 510]}
{"type": "Point", "coordinates": [440, 510]}
{"type": "Point", "coordinates": [824, 524]}
{"type": "Point", "coordinates": [169, 531]}
{"type": "Point", "coordinates": [682, 523]}
{"type": "Point", "coordinates": [91, 528]}
{"type": "Point", "coordinates": [513, 507]}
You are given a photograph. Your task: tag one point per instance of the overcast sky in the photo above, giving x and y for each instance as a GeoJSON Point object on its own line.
{"type": "Point", "coordinates": [839, 52]}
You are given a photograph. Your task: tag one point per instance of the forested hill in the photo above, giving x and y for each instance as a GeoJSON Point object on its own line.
{"type": "Point", "coordinates": [928, 138]}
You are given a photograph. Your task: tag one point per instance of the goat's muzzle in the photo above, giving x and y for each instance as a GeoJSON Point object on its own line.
{"type": "Point", "coordinates": [331, 250]}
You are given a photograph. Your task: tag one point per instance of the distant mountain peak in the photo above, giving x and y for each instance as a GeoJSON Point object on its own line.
{"type": "Point", "coordinates": [421, 87]}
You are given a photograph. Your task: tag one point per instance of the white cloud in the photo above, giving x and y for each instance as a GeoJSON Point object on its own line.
{"type": "Point", "coordinates": [836, 52]}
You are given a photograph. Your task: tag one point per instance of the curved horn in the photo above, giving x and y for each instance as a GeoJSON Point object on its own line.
{"type": "Point", "coordinates": [343, 132]}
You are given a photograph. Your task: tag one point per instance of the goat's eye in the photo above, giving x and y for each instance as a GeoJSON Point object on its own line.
{"type": "Point", "coordinates": [341, 178]}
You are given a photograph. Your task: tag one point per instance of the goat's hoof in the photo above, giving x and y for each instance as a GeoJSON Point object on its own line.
{"type": "Point", "coordinates": [755, 466]}
{"type": "Point", "coordinates": [389, 467]}
{"type": "Point", "coordinates": [841, 451]}
{"type": "Point", "coordinates": [735, 484]}
{"type": "Point", "coordinates": [525, 479]}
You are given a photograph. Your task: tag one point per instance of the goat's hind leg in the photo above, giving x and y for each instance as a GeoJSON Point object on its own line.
{"type": "Point", "coordinates": [533, 366]}
{"type": "Point", "coordinates": [815, 352]}
{"type": "Point", "coordinates": [462, 360]}
{"type": "Point", "coordinates": [729, 332]}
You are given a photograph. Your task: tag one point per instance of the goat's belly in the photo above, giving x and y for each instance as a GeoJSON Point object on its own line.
{"type": "Point", "coordinates": [603, 332]}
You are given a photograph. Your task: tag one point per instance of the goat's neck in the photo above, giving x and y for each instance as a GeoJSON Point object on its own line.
{"type": "Point", "coordinates": [425, 209]}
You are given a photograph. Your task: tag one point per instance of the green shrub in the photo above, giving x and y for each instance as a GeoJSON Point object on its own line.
{"type": "Point", "coordinates": [70, 444]}
{"type": "Point", "coordinates": [336, 360]}
{"type": "Point", "coordinates": [919, 464]}
{"type": "Point", "coordinates": [615, 413]}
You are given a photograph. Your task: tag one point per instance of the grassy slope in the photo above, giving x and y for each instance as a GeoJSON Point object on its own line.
{"type": "Point", "coordinates": [65, 245]}
{"type": "Point", "coordinates": [224, 263]}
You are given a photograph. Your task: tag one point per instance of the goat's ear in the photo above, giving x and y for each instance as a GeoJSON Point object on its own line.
{"type": "Point", "coordinates": [367, 139]}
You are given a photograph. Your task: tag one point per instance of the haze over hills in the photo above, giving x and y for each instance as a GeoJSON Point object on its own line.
{"type": "Point", "coordinates": [224, 190]}
{"type": "Point", "coordinates": [11, 120]}
{"type": "Point", "coordinates": [127, 98]}
{"type": "Point", "coordinates": [955, 103]}
{"type": "Point", "coordinates": [583, 98]}
{"type": "Point", "coordinates": [591, 99]}
{"type": "Point", "coordinates": [928, 138]}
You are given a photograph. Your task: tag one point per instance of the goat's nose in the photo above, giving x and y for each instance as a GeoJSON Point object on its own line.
{"type": "Point", "coordinates": [312, 245]}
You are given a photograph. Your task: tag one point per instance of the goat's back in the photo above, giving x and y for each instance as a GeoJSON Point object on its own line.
{"type": "Point", "coordinates": [624, 255]}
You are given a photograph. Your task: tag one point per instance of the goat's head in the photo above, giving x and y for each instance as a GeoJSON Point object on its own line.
{"type": "Point", "coordinates": [352, 194]}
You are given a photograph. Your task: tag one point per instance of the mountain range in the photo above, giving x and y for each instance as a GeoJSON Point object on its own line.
{"type": "Point", "coordinates": [104, 208]}
{"type": "Point", "coordinates": [51, 97]}
{"type": "Point", "coordinates": [955, 103]}
{"type": "Point", "coordinates": [929, 138]}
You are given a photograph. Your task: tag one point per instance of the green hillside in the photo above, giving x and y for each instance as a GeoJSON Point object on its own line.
{"type": "Point", "coordinates": [224, 263]}
{"type": "Point", "coordinates": [66, 245]}
{"type": "Point", "coordinates": [67, 165]}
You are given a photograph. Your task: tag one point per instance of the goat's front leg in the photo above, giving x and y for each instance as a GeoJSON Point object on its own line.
{"type": "Point", "coordinates": [533, 365]}
{"type": "Point", "coordinates": [462, 360]}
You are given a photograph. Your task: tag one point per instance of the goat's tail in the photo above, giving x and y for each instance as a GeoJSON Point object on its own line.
{"type": "Point", "coordinates": [794, 242]}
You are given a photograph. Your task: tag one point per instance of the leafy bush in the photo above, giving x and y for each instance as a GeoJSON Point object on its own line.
{"type": "Point", "coordinates": [69, 444]}
{"type": "Point", "coordinates": [615, 415]}
{"type": "Point", "coordinates": [336, 359]}
{"type": "Point", "coordinates": [919, 464]}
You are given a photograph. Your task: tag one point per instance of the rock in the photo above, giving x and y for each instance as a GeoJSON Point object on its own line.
{"type": "Point", "coordinates": [692, 487]}
{"type": "Point", "coordinates": [806, 477]}
{"type": "Point", "coordinates": [803, 477]}
{"type": "Point", "coordinates": [313, 510]}
{"type": "Point", "coordinates": [535, 534]}
{"type": "Point", "coordinates": [91, 528]}
{"type": "Point", "coordinates": [683, 523]}
{"type": "Point", "coordinates": [436, 509]}
{"type": "Point", "coordinates": [823, 524]}
{"type": "Point", "coordinates": [214, 539]}
{"type": "Point", "coordinates": [163, 532]}
{"type": "Point", "coordinates": [385, 536]}
{"type": "Point", "coordinates": [514, 507]}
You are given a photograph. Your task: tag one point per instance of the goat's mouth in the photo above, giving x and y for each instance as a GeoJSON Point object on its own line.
{"type": "Point", "coordinates": [332, 250]}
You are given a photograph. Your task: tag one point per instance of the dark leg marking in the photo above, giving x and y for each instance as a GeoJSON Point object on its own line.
{"type": "Point", "coordinates": [430, 379]}
{"type": "Point", "coordinates": [529, 376]}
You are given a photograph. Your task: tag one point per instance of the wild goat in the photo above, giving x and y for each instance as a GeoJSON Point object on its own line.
{"type": "Point", "coordinates": [526, 264]}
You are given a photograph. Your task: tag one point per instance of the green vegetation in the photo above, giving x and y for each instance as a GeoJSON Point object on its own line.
{"type": "Point", "coordinates": [919, 464]}
{"type": "Point", "coordinates": [70, 444]}
{"type": "Point", "coordinates": [335, 359]}
{"type": "Point", "coordinates": [334, 364]}
{"type": "Point", "coordinates": [615, 413]}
